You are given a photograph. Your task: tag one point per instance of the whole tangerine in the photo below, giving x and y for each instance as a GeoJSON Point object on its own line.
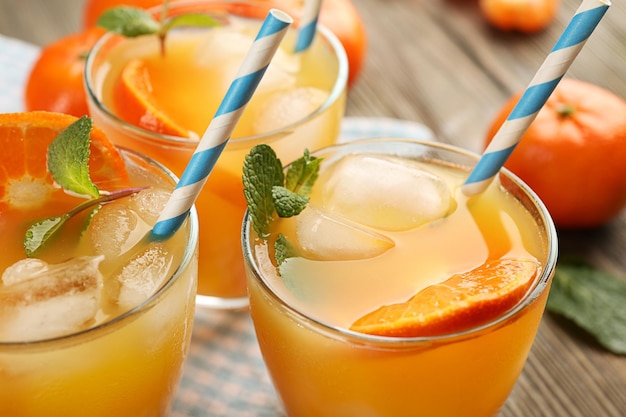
{"type": "Point", "coordinates": [55, 82]}
{"type": "Point", "coordinates": [573, 154]}
{"type": "Point", "coordinates": [526, 16]}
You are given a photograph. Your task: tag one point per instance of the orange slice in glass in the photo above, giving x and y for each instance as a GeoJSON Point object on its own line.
{"type": "Point", "coordinates": [458, 303]}
{"type": "Point", "coordinates": [24, 139]}
{"type": "Point", "coordinates": [137, 104]}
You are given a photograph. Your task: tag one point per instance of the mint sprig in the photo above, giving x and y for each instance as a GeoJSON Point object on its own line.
{"type": "Point", "coordinates": [42, 230]}
{"type": "Point", "coordinates": [594, 300]}
{"type": "Point", "coordinates": [270, 192]}
{"type": "Point", "coordinates": [262, 170]}
{"type": "Point", "coordinates": [68, 163]}
{"type": "Point", "coordinates": [302, 174]}
{"type": "Point", "coordinates": [132, 22]}
{"type": "Point", "coordinates": [283, 249]}
{"type": "Point", "coordinates": [128, 21]}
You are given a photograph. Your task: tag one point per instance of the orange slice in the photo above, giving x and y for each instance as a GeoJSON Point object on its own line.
{"type": "Point", "coordinates": [24, 139]}
{"type": "Point", "coordinates": [461, 302]}
{"type": "Point", "coordinates": [137, 104]}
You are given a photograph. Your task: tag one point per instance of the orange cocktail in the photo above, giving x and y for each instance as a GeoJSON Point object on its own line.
{"type": "Point", "coordinates": [400, 296]}
{"type": "Point", "coordinates": [96, 321]}
{"type": "Point", "coordinates": [299, 104]}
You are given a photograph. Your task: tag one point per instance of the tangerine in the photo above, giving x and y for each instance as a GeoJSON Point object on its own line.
{"type": "Point", "coordinates": [526, 16]}
{"type": "Point", "coordinates": [55, 82]}
{"type": "Point", "coordinates": [573, 153]}
{"type": "Point", "coordinates": [24, 138]}
{"type": "Point", "coordinates": [461, 302]}
{"type": "Point", "coordinates": [134, 90]}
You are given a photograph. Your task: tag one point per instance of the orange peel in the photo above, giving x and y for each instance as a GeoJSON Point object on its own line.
{"type": "Point", "coordinates": [458, 303]}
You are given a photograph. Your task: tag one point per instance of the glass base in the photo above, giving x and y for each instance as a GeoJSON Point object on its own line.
{"type": "Point", "coordinates": [221, 303]}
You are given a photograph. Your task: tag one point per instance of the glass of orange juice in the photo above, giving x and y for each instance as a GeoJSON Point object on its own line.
{"type": "Point", "coordinates": [299, 104]}
{"type": "Point", "coordinates": [400, 296]}
{"type": "Point", "coordinates": [97, 321]}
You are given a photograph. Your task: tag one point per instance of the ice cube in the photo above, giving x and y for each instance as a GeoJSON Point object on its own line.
{"type": "Point", "coordinates": [225, 48]}
{"type": "Point", "coordinates": [276, 78]}
{"type": "Point", "coordinates": [143, 275]}
{"type": "Point", "coordinates": [281, 73]}
{"type": "Point", "coordinates": [40, 300]}
{"type": "Point", "coordinates": [23, 270]}
{"type": "Point", "coordinates": [386, 192]}
{"type": "Point", "coordinates": [329, 238]}
{"type": "Point", "coordinates": [221, 44]}
{"type": "Point", "coordinates": [149, 203]}
{"type": "Point", "coordinates": [115, 228]}
{"type": "Point", "coordinates": [287, 106]}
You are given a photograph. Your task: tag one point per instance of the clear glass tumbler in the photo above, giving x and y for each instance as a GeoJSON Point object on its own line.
{"type": "Point", "coordinates": [321, 73]}
{"type": "Point", "coordinates": [321, 368]}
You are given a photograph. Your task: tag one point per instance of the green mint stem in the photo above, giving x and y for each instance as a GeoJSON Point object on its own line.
{"type": "Point", "coordinates": [104, 198]}
{"type": "Point", "coordinates": [41, 231]}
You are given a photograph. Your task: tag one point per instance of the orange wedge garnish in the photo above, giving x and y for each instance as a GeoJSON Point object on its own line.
{"type": "Point", "coordinates": [458, 303]}
{"type": "Point", "coordinates": [24, 140]}
{"type": "Point", "coordinates": [137, 104]}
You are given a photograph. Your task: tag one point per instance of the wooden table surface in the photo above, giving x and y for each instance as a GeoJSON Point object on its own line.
{"type": "Point", "coordinates": [437, 62]}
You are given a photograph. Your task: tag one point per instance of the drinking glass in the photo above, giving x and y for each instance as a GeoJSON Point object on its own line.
{"type": "Point", "coordinates": [127, 366]}
{"type": "Point", "coordinates": [221, 204]}
{"type": "Point", "coordinates": [322, 368]}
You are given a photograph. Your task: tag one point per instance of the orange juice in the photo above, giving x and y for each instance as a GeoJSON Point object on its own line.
{"type": "Point", "coordinates": [89, 327]}
{"type": "Point", "coordinates": [299, 103]}
{"type": "Point", "coordinates": [376, 232]}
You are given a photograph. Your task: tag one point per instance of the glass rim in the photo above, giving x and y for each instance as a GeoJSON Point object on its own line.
{"type": "Point", "coordinates": [339, 86]}
{"type": "Point", "coordinates": [338, 332]}
{"type": "Point", "coordinates": [147, 304]}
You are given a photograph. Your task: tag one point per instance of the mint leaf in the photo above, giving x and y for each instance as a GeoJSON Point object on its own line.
{"type": "Point", "coordinates": [39, 233]}
{"type": "Point", "coordinates": [191, 20]}
{"type": "Point", "coordinates": [288, 203]}
{"type": "Point", "coordinates": [592, 299]}
{"type": "Point", "coordinates": [128, 21]}
{"type": "Point", "coordinates": [302, 174]}
{"type": "Point", "coordinates": [132, 22]}
{"type": "Point", "coordinates": [68, 158]}
{"type": "Point", "coordinates": [262, 170]}
{"type": "Point", "coordinates": [268, 190]}
{"type": "Point", "coordinates": [283, 249]}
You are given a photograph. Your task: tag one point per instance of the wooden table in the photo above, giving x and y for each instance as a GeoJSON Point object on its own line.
{"type": "Point", "coordinates": [439, 63]}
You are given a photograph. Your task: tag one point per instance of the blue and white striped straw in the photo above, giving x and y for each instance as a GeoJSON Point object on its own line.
{"type": "Point", "coordinates": [308, 24]}
{"type": "Point", "coordinates": [535, 96]}
{"type": "Point", "coordinates": [222, 125]}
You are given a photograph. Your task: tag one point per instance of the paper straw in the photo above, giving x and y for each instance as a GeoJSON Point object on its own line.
{"type": "Point", "coordinates": [222, 125]}
{"type": "Point", "coordinates": [535, 96]}
{"type": "Point", "coordinates": [308, 24]}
